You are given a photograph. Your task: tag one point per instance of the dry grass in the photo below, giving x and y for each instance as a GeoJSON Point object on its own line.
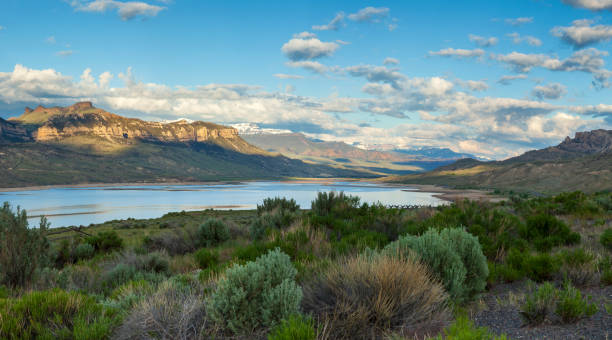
{"type": "Point", "coordinates": [368, 297]}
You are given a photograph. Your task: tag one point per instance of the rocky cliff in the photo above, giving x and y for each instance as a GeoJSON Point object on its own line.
{"type": "Point", "coordinates": [83, 119]}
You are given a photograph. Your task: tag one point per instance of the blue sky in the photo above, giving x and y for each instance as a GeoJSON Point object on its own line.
{"type": "Point", "coordinates": [492, 78]}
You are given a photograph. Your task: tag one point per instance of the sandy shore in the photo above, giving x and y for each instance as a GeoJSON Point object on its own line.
{"type": "Point", "coordinates": [457, 194]}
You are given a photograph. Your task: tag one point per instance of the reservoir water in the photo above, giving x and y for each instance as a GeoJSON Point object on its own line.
{"type": "Point", "coordinates": [84, 205]}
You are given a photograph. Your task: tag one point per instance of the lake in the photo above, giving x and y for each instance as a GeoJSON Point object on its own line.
{"type": "Point", "coordinates": [84, 205]}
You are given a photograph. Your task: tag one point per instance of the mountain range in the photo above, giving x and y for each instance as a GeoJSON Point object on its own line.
{"type": "Point", "coordinates": [580, 163]}
{"type": "Point", "coordinates": [84, 144]}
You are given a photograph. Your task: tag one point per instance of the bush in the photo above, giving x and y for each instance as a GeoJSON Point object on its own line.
{"type": "Point", "coordinates": [571, 307]}
{"type": "Point", "coordinates": [578, 267]}
{"type": "Point", "coordinates": [105, 241]}
{"type": "Point", "coordinates": [538, 304]}
{"type": "Point", "coordinates": [539, 267]}
{"type": "Point", "coordinates": [174, 311]}
{"type": "Point", "coordinates": [256, 295]}
{"type": "Point", "coordinates": [463, 329]}
{"type": "Point", "coordinates": [55, 314]}
{"type": "Point", "coordinates": [546, 231]}
{"type": "Point", "coordinates": [275, 220]}
{"type": "Point", "coordinates": [606, 276]}
{"type": "Point", "coordinates": [470, 252]}
{"type": "Point", "coordinates": [334, 203]}
{"type": "Point", "coordinates": [296, 327]}
{"type": "Point", "coordinates": [606, 239]}
{"type": "Point", "coordinates": [277, 203]}
{"type": "Point", "coordinates": [83, 251]}
{"type": "Point", "coordinates": [369, 296]}
{"type": "Point", "coordinates": [206, 258]}
{"type": "Point", "coordinates": [359, 240]}
{"type": "Point", "coordinates": [22, 250]}
{"type": "Point", "coordinates": [177, 242]}
{"type": "Point", "coordinates": [213, 232]}
{"type": "Point", "coordinates": [439, 254]}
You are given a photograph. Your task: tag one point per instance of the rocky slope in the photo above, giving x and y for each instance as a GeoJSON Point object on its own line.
{"type": "Point", "coordinates": [83, 119]}
{"type": "Point", "coordinates": [580, 163]}
{"type": "Point", "coordinates": [84, 144]}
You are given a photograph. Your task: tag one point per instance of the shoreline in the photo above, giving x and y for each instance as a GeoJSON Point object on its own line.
{"type": "Point", "coordinates": [446, 194]}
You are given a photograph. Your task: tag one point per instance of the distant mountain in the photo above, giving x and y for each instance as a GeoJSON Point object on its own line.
{"type": "Point", "coordinates": [84, 144]}
{"type": "Point", "coordinates": [435, 153]}
{"type": "Point", "coordinates": [339, 154]}
{"type": "Point", "coordinates": [580, 163]}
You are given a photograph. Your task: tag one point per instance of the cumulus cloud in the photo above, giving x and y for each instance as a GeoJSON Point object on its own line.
{"type": "Point", "coordinates": [65, 53]}
{"type": "Point", "coordinates": [507, 80]}
{"type": "Point", "coordinates": [588, 61]}
{"type": "Point", "coordinates": [581, 33]}
{"type": "Point", "coordinates": [593, 5]}
{"type": "Point", "coordinates": [473, 85]}
{"type": "Point", "coordinates": [127, 10]}
{"type": "Point", "coordinates": [376, 74]}
{"type": "Point", "coordinates": [312, 66]}
{"type": "Point", "coordinates": [517, 39]}
{"type": "Point", "coordinates": [287, 76]}
{"type": "Point", "coordinates": [458, 53]}
{"type": "Point", "coordinates": [308, 47]}
{"type": "Point", "coordinates": [519, 21]}
{"type": "Point", "coordinates": [370, 14]}
{"type": "Point", "coordinates": [483, 41]}
{"type": "Point", "coordinates": [333, 25]}
{"type": "Point", "coordinates": [391, 61]}
{"type": "Point", "coordinates": [550, 91]}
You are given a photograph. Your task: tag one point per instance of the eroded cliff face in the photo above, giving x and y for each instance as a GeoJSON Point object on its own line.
{"type": "Point", "coordinates": [83, 119]}
{"type": "Point", "coordinates": [12, 132]}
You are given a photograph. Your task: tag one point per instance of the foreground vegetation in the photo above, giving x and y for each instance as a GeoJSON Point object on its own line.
{"type": "Point", "coordinates": [341, 269]}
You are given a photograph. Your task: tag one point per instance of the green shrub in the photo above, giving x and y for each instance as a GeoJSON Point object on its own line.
{"type": "Point", "coordinates": [296, 327]}
{"type": "Point", "coordinates": [578, 267]}
{"type": "Point", "coordinates": [256, 295]}
{"type": "Point", "coordinates": [206, 258]}
{"type": "Point", "coordinates": [606, 276]}
{"type": "Point", "coordinates": [606, 239]}
{"type": "Point", "coordinates": [546, 231]}
{"type": "Point", "coordinates": [175, 242]}
{"type": "Point", "coordinates": [539, 267]}
{"type": "Point", "coordinates": [463, 329]}
{"type": "Point", "coordinates": [334, 203]}
{"type": "Point", "coordinates": [538, 304]}
{"type": "Point", "coordinates": [277, 203]}
{"type": "Point", "coordinates": [213, 232]}
{"type": "Point", "coordinates": [274, 220]}
{"type": "Point", "coordinates": [368, 296]}
{"type": "Point", "coordinates": [571, 307]}
{"type": "Point", "coordinates": [83, 251]}
{"type": "Point", "coordinates": [359, 240]}
{"type": "Point", "coordinates": [251, 251]}
{"type": "Point", "coordinates": [440, 254]}
{"type": "Point", "coordinates": [106, 241]}
{"type": "Point", "coordinates": [22, 250]}
{"type": "Point", "coordinates": [55, 314]}
{"type": "Point", "coordinates": [470, 252]}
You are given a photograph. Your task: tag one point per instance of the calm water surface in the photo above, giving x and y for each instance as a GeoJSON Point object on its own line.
{"type": "Point", "coordinates": [82, 206]}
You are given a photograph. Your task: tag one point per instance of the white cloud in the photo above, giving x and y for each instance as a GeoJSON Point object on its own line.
{"type": "Point", "coordinates": [333, 25]}
{"type": "Point", "coordinates": [458, 53]}
{"type": "Point", "coordinates": [581, 33]}
{"type": "Point", "coordinates": [391, 27]}
{"type": "Point", "coordinates": [305, 35]}
{"type": "Point", "coordinates": [65, 53]}
{"type": "Point", "coordinates": [483, 41]}
{"type": "Point", "coordinates": [473, 85]}
{"type": "Point", "coordinates": [127, 10]}
{"type": "Point", "coordinates": [312, 66]}
{"type": "Point", "coordinates": [287, 76]}
{"type": "Point", "coordinates": [550, 91]}
{"type": "Point", "coordinates": [519, 21]}
{"type": "Point", "coordinates": [376, 74]}
{"type": "Point", "coordinates": [298, 49]}
{"type": "Point", "coordinates": [391, 61]}
{"type": "Point", "coordinates": [50, 40]}
{"type": "Point", "coordinates": [517, 39]}
{"type": "Point", "coordinates": [370, 14]}
{"type": "Point", "coordinates": [589, 60]}
{"type": "Point", "coordinates": [506, 80]}
{"type": "Point", "coordinates": [593, 5]}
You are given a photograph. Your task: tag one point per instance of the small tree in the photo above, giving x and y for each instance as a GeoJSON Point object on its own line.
{"type": "Point", "coordinates": [22, 249]}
